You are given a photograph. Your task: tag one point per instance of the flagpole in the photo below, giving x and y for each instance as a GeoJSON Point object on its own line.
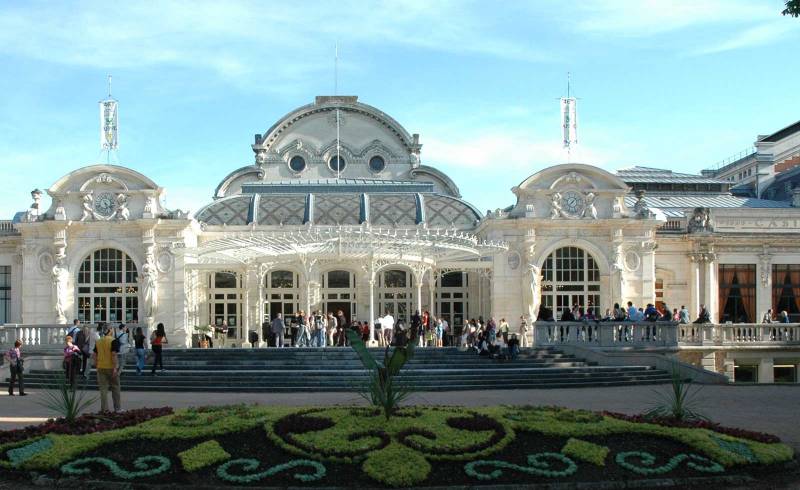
{"type": "Point", "coordinates": [336, 93]}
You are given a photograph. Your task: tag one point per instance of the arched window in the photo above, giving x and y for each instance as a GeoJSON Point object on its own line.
{"type": "Point", "coordinates": [108, 287]}
{"type": "Point", "coordinates": [570, 276]}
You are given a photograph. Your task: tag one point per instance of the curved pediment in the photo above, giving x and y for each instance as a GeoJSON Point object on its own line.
{"type": "Point", "coordinates": [572, 190]}
{"type": "Point", "coordinates": [575, 175]}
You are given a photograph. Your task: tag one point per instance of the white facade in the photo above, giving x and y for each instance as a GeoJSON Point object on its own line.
{"type": "Point", "coordinates": [277, 229]}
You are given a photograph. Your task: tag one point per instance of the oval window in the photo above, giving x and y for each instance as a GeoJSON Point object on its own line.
{"type": "Point", "coordinates": [337, 164]}
{"type": "Point", "coordinates": [297, 164]}
{"type": "Point", "coordinates": [377, 164]}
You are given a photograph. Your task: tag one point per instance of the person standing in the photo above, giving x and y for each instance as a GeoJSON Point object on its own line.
{"type": "Point", "coordinates": [82, 341]}
{"type": "Point", "coordinates": [124, 338]}
{"type": "Point", "coordinates": [107, 366]}
{"type": "Point", "coordinates": [74, 329]}
{"type": "Point", "coordinates": [504, 330]}
{"type": "Point", "coordinates": [387, 325]}
{"type": "Point", "coordinates": [277, 329]}
{"type": "Point", "coordinates": [139, 343]}
{"type": "Point", "coordinates": [157, 341]}
{"type": "Point", "coordinates": [341, 322]}
{"type": "Point", "coordinates": [330, 329]}
{"type": "Point", "coordinates": [523, 332]}
{"type": "Point", "coordinates": [14, 358]}
{"type": "Point", "coordinates": [71, 362]}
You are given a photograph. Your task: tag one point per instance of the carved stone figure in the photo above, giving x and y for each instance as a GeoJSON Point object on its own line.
{"type": "Point", "coordinates": [60, 276]}
{"type": "Point", "coordinates": [60, 213]}
{"type": "Point", "coordinates": [555, 206]}
{"type": "Point", "coordinates": [641, 209]}
{"type": "Point", "coordinates": [589, 211]}
{"type": "Point", "coordinates": [617, 264]}
{"type": "Point", "coordinates": [535, 274]}
{"type": "Point", "coordinates": [149, 206]}
{"type": "Point", "coordinates": [122, 213]}
{"type": "Point", "coordinates": [261, 157]}
{"type": "Point", "coordinates": [33, 211]}
{"type": "Point", "coordinates": [700, 221]}
{"type": "Point", "coordinates": [88, 208]}
{"type": "Point", "coordinates": [150, 285]}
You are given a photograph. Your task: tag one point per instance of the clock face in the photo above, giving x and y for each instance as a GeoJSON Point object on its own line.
{"type": "Point", "coordinates": [572, 203]}
{"type": "Point", "coordinates": [104, 204]}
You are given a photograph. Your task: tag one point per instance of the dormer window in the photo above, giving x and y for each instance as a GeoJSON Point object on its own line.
{"type": "Point", "coordinates": [297, 164]}
{"type": "Point", "coordinates": [337, 164]}
{"type": "Point", "coordinates": [377, 164]}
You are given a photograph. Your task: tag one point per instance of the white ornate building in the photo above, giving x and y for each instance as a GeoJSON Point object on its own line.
{"type": "Point", "coordinates": [366, 227]}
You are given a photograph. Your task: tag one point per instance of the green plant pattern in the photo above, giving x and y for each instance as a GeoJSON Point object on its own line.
{"type": "Point", "coordinates": [23, 453]}
{"type": "Point", "coordinates": [648, 461]}
{"type": "Point", "coordinates": [142, 464]}
{"type": "Point", "coordinates": [540, 464]}
{"type": "Point", "coordinates": [223, 472]}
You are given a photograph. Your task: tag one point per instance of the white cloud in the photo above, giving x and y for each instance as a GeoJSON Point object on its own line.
{"type": "Point", "coordinates": [640, 18]}
{"type": "Point", "coordinates": [759, 35]}
{"type": "Point", "coordinates": [504, 151]}
{"type": "Point", "coordinates": [250, 44]}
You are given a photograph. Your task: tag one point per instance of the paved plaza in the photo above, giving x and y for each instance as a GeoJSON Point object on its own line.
{"type": "Point", "coordinates": [764, 408]}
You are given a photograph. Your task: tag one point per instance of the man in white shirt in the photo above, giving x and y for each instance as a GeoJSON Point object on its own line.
{"type": "Point", "coordinates": [387, 325]}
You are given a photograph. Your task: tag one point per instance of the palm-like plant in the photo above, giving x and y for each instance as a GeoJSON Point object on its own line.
{"type": "Point", "coordinates": [383, 389]}
{"type": "Point", "coordinates": [67, 401]}
{"type": "Point", "coordinates": [680, 402]}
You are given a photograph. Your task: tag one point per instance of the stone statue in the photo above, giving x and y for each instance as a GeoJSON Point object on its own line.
{"type": "Point", "coordinates": [641, 209]}
{"type": "Point", "coordinates": [617, 264]}
{"type": "Point", "coordinates": [60, 276]}
{"type": "Point", "coordinates": [60, 213]}
{"type": "Point", "coordinates": [122, 213]}
{"type": "Point", "coordinates": [88, 208]}
{"type": "Point", "coordinates": [149, 205]}
{"type": "Point", "coordinates": [33, 211]}
{"type": "Point", "coordinates": [149, 285]}
{"type": "Point", "coordinates": [535, 291]}
{"type": "Point", "coordinates": [700, 221]}
{"type": "Point", "coordinates": [261, 157]}
{"type": "Point", "coordinates": [555, 206]}
{"type": "Point", "coordinates": [589, 211]}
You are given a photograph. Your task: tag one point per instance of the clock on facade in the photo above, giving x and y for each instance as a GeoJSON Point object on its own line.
{"type": "Point", "coordinates": [104, 204]}
{"type": "Point", "coordinates": [572, 203]}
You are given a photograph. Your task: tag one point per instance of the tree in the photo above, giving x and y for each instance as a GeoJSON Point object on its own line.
{"type": "Point", "coordinates": [792, 8]}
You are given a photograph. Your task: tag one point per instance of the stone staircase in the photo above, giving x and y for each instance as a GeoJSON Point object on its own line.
{"type": "Point", "coordinates": [338, 369]}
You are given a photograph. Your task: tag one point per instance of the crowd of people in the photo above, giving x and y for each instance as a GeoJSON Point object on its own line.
{"type": "Point", "coordinates": [495, 340]}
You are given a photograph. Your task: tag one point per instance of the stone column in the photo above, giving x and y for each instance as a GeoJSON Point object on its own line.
{"type": "Point", "coordinates": [711, 287]}
{"type": "Point", "coordinates": [694, 284]}
{"type": "Point", "coordinates": [766, 373]}
{"type": "Point", "coordinates": [764, 286]}
{"type": "Point", "coordinates": [372, 341]}
{"type": "Point", "coordinates": [432, 292]}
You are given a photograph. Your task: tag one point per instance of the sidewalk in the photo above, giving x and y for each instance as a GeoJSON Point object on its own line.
{"type": "Point", "coordinates": [763, 408]}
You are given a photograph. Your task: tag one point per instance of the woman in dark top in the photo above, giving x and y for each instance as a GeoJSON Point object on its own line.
{"type": "Point", "coordinates": [157, 341]}
{"type": "Point", "coordinates": [138, 341]}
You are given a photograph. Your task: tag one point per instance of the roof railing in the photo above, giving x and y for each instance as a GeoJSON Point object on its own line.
{"type": "Point", "coordinates": [735, 158]}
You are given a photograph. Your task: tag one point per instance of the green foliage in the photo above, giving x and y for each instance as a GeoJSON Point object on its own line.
{"type": "Point", "coordinates": [679, 403]}
{"type": "Point", "coordinates": [202, 455]}
{"type": "Point", "coordinates": [792, 8]}
{"type": "Point", "coordinates": [143, 464]}
{"type": "Point", "coordinates": [397, 466]}
{"type": "Point", "coordinates": [383, 389]}
{"type": "Point", "coordinates": [586, 451]}
{"type": "Point", "coordinates": [67, 401]}
{"type": "Point", "coordinates": [223, 472]}
{"type": "Point", "coordinates": [647, 467]}
{"type": "Point", "coordinates": [549, 465]}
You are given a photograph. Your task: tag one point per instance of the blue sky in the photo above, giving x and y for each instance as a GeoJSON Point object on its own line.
{"type": "Point", "coordinates": [678, 84]}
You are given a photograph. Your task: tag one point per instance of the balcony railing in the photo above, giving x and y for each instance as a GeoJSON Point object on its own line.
{"type": "Point", "coordinates": [33, 335]}
{"type": "Point", "coordinates": [739, 334]}
{"type": "Point", "coordinates": [606, 335]}
{"type": "Point", "coordinates": [7, 227]}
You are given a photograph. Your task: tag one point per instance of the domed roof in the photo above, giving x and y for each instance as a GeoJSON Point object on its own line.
{"type": "Point", "coordinates": [348, 202]}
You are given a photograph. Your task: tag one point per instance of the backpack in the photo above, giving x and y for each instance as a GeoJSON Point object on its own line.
{"type": "Point", "coordinates": [116, 344]}
{"type": "Point", "coordinates": [318, 323]}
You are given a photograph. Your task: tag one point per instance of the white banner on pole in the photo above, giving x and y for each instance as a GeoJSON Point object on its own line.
{"type": "Point", "coordinates": [569, 121]}
{"type": "Point", "coordinates": [108, 124]}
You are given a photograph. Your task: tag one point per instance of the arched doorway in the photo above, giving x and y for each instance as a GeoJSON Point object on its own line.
{"type": "Point", "coordinates": [108, 287]}
{"type": "Point", "coordinates": [282, 295]}
{"type": "Point", "coordinates": [570, 276]}
{"type": "Point", "coordinates": [452, 294]}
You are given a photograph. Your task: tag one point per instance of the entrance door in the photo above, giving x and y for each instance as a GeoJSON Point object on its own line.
{"type": "Point", "coordinates": [335, 306]}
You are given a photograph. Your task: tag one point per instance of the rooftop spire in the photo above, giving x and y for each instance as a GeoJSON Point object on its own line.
{"type": "Point", "coordinates": [569, 119]}
{"type": "Point", "coordinates": [108, 124]}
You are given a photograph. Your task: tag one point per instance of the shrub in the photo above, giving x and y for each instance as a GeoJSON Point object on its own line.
{"type": "Point", "coordinates": [202, 455]}
{"type": "Point", "coordinates": [586, 451]}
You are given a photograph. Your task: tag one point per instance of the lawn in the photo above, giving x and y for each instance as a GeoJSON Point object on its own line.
{"type": "Point", "coordinates": [359, 447]}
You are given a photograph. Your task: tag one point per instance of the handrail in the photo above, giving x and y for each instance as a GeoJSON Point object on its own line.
{"type": "Point", "coordinates": [603, 335]}
{"type": "Point", "coordinates": [739, 334]}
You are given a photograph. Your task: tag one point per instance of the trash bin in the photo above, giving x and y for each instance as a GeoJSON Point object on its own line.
{"type": "Point", "coordinates": [253, 338]}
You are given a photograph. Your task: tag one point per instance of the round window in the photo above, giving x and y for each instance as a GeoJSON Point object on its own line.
{"type": "Point", "coordinates": [377, 164]}
{"type": "Point", "coordinates": [337, 164]}
{"type": "Point", "coordinates": [297, 164]}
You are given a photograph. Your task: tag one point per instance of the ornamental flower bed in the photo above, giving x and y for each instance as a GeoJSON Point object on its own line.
{"type": "Point", "coordinates": [418, 446]}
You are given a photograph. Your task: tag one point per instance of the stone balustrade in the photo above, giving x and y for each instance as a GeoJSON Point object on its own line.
{"type": "Point", "coordinates": [606, 335]}
{"type": "Point", "coordinates": [33, 335]}
{"type": "Point", "coordinates": [739, 334]}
